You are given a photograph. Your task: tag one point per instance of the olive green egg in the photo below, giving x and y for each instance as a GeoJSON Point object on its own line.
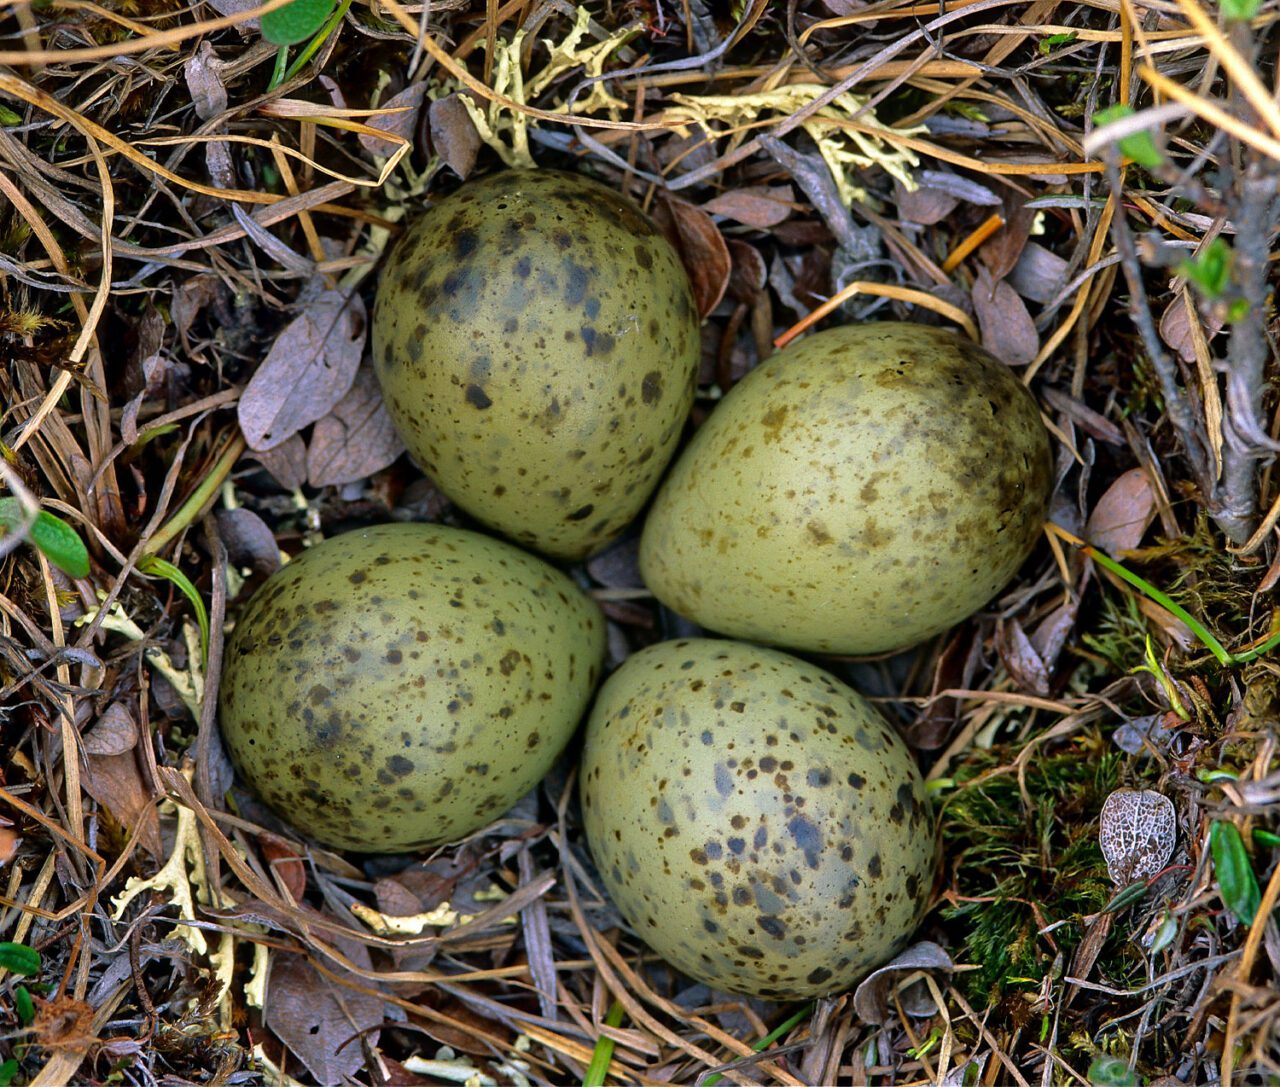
{"type": "Point", "coordinates": [858, 492]}
{"type": "Point", "coordinates": [754, 819]}
{"type": "Point", "coordinates": [536, 342]}
{"type": "Point", "coordinates": [400, 686]}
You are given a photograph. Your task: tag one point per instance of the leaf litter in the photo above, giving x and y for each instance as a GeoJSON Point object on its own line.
{"type": "Point", "coordinates": [210, 359]}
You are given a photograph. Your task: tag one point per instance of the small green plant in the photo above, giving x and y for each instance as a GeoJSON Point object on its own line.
{"type": "Point", "coordinates": [296, 22]}
{"type": "Point", "coordinates": [598, 1070]}
{"type": "Point", "coordinates": [1049, 44]}
{"type": "Point", "coordinates": [50, 535]}
{"type": "Point", "coordinates": [158, 567]}
{"type": "Point", "coordinates": [1240, 11]}
{"type": "Point", "coordinates": [19, 959]}
{"type": "Point", "coordinates": [1209, 271]}
{"type": "Point", "coordinates": [1236, 879]}
{"type": "Point", "coordinates": [1138, 146]}
{"type": "Point", "coordinates": [1111, 1072]}
{"type": "Point", "coordinates": [1019, 868]}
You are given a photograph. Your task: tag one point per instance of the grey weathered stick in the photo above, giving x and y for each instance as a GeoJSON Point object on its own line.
{"type": "Point", "coordinates": [1189, 427]}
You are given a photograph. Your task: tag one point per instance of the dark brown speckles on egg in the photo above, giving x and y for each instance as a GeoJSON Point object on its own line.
{"type": "Point", "coordinates": [370, 750]}
{"type": "Point", "coordinates": [562, 289]}
{"type": "Point", "coordinates": [786, 894]}
{"type": "Point", "coordinates": [898, 476]}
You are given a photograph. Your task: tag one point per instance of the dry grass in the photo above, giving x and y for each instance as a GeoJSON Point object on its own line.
{"type": "Point", "coordinates": [162, 204]}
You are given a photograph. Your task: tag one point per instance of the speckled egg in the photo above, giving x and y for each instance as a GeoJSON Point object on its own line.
{"type": "Point", "coordinates": [401, 686]}
{"type": "Point", "coordinates": [536, 341]}
{"type": "Point", "coordinates": [754, 819]}
{"type": "Point", "coordinates": [858, 492]}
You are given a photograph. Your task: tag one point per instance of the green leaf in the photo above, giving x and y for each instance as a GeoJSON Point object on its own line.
{"type": "Point", "coordinates": [24, 1005]}
{"type": "Point", "coordinates": [7, 1071]}
{"type": "Point", "coordinates": [1265, 838]}
{"type": "Point", "coordinates": [602, 1055]}
{"type": "Point", "coordinates": [760, 1045]}
{"type": "Point", "coordinates": [19, 959]}
{"type": "Point", "coordinates": [59, 542]}
{"type": "Point", "coordinates": [8, 118]}
{"type": "Point", "coordinates": [1141, 147]}
{"type": "Point", "coordinates": [1111, 113]}
{"type": "Point", "coordinates": [1236, 881]}
{"type": "Point", "coordinates": [1111, 1072]}
{"type": "Point", "coordinates": [1239, 11]}
{"type": "Point", "coordinates": [1210, 270]}
{"type": "Point", "coordinates": [1138, 146]}
{"type": "Point", "coordinates": [295, 22]}
{"type": "Point", "coordinates": [157, 567]}
{"type": "Point", "coordinates": [1049, 44]}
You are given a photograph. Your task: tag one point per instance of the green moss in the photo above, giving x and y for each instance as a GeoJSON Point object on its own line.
{"type": "Point", "coordinates": [1018, 868]}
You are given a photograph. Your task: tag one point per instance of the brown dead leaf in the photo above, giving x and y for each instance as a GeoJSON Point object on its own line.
{"type": "Point", "coordinates": [402, 124]}
{"type": "Point", "coordinates": [10, 839]}
{"type": "Point", "coordinates": [618, 566]}
{"type": "Point", "coordinates": [464, 1030]}
{"type": "Point", "coordinates": [954, 668]}
{"type": "Point", "coordinates": [235, 7]}
{"type": "Point", "coordinates": [759, 206]}
{"type": "Point", "coordinates": [1098, 426]}
{"type": "Point", "coordinates": [284, 860]}
{"type": "Point", "coordinates": [1020, 658]}
{"type": "Point", "coordinates": [1175, 328]}
{"type": "Point", "coordinates": [147, 368]}
{"type": "Point", "coordinates": [189, 299]}
{"type": "Point", "coordinates": [701, 248]}
{"type": "Point", "coordinates": [248, 540]}
{"type": "Point", "coordinates": [395, 899]}
{"type": "Point", "coordinates": [308, 370]}
{"type": "Point", "coordinates": [287, 462]}
{"type": "Point", "coordinates": [319, 1020]}
{"type": "Point", "coordinates": [748, 274]}
{"type": "Point", "coordinates": [203, 72]}
{"type": "Point", "coordinates": [114, 733]}
{"type": "Point", "coordinates": [923, 205]}
{"type": "Point", "coordinates": [356, 439]}
{"type": "Point", "coordinates": [116, 783]}
{"type": "Point", "coordinates": [1052, 633]}
{"type": "Point", "coordinates": [1001, 252]}
{"type": "Point", "coordinates": [1007, 329]}
{"type": "Point", "coordinates": [1122, 514]}
{"type": "Point", "coordinates": [453, 134]}
{"type": "Point", "coordinates": [874, 1001]}
{"type": "Point", "coordinates": [1039, 275]}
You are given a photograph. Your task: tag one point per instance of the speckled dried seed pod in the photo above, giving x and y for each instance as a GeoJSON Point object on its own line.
{"type": "Point", "coordinates": [1137, 831]}
{"type": "Point", "coordinates": [537, 344]}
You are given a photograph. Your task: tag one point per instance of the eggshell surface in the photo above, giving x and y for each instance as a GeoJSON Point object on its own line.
{"type": "Point", "coordinates": [536, 342]}
{"type": "Point", "coordinates": [754, 819]}
{"type": "Point", "coordinates": [858, 492]}
{"type": "Point", "coordinates": [400, 686]}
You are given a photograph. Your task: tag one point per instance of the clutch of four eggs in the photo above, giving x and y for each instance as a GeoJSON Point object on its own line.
{"type": "Point", "coordinates": [537, 344]}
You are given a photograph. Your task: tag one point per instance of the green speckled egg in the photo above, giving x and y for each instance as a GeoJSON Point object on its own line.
{"type": "Point", "coordinates": [856, 493]}
{"type": "Point", "coordinates": [754, 819]}
{"type": "Point", "coordinates": [401, 686]}
{"type": "Point", "coordinates": [537, 344]}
